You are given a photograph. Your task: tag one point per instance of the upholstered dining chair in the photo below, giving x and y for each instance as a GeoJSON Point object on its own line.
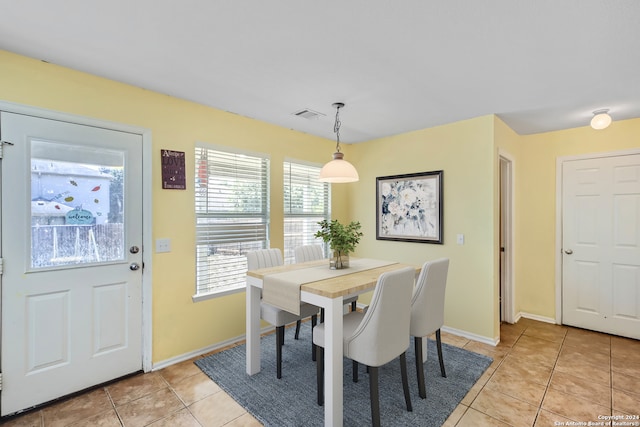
{"type": "Point", "coordinates": [265, 258]}
{"type": "Point", "coordinates": [306, 253]}
{"type": "Point", "coordinates": [376, 336]}
{"type": "Point", "coordinates": [427, 312]}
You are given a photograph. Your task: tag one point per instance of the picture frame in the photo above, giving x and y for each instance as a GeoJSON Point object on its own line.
{"type": "Point", "coordinates": [173, 170]}
{"type": "Point", "coordinates": [409, 207]}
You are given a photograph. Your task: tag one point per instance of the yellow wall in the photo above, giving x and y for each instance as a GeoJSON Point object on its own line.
{"type": "Point", "coordinates": [535, 159]}
{"type": "Point", "coordinates": [179, 325]}
{"type": "Point", "coordinates": [464, 151]}
{"type": "Point", "coordinates": [536, 204]}
{"type": "Point", "coordinates": [467, 151]}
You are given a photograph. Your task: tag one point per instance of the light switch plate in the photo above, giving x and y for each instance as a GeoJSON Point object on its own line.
{"type": "Point", "coordinates": [460, 239]}
{"type": "Point", "coordinates": [163, 245]}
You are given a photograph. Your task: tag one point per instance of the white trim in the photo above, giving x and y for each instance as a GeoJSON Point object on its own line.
{"type": "Point", "coordinates": [362, 306]}
{"type": "Point", "coordinates": [628, 152]}
{"type": "Point", "coordinates": [240, 338]}
{"type": "Point", "coordinates": [558, 249]}
{"type": "Point", "coordinates": [302, 162]}
{"type": "Point", "coordinates": [538, 318]}
{"type": "Point", "coordinates": [232, 149]}
{"type": "Point", "coordinates": [471, 336]}
{"type": "Point", "coordinates": [147, 242]}
{"type": "Point", "coordinates": [509, 290]}
{"type": "Point", "coordinates": [459, 332]}
{"type": "Point", "coordinates": [517, 318]}
{"type": "Point", "coordinates": [559, 180]}
{"type": "Point", "coordinates": [217, 294]}
{"type": "Point", "coordinates": [147, 189]}
{"type": "Point", "coordinates": [196, 353]}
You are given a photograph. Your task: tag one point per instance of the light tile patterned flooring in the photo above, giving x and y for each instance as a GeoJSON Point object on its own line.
{"type": "Point", "coordinates": [542, 375]}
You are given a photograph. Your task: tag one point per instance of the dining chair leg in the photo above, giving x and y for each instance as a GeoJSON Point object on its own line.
{"type": "Point", "coordinates": [314, 322]}
{"type": "Point", "coordinates": [320, 374]}
{"type": "Point", "coordinates": [439, 343]}
{"type": "Point", "coordinates": [279, 343]}
{"type": "Point", "coordinates": [354, 305]}
{"type": "Point", "coordinates": [374, 396]}
{"type": "Point", "coordinates": [420, 367]}
{"type": "Point", "coordinates": [354, 368]}
{"type": "Point", "coordinates": [405, 381]}
{"type": "Point", "coordinates": [297, 329]}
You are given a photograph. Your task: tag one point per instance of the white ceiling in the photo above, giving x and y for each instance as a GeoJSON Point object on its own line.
{"type": "Point", "coordinates": [398, 66]}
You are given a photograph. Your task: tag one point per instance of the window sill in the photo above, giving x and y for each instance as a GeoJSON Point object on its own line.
{"type": "Point", "coordinates": [217, 294]}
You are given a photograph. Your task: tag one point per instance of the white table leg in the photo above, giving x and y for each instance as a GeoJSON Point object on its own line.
{"type": "Point", "coordinates": [253, 328]}
{"type": "Point", "coordinates": [333, 363]}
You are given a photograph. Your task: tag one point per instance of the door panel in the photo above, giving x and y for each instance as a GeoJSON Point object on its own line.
{"type": "Point", "coordinates": [71, 305]}
{"type": "Point", "coordinates": [47, 331]}
{"type": "Point", "coordinates": [110, 325]}
{"type": "Point", "coordinates": [601, 244]}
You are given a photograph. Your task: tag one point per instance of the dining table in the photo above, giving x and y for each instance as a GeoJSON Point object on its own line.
{"type": "Point", "coordinates": [322, 288]}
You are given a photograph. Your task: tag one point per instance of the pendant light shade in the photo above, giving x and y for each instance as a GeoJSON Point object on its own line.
{"type": "Point", "coordinates": [601, 119]}
{"type": "Point", "coordinates": [338, 170]}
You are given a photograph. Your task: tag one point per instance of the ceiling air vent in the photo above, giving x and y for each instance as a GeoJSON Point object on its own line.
{"type": "Point", "coordinates": [308, 114]}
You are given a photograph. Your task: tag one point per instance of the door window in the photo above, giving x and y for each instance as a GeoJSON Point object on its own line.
{"type": "Point", "coordinates": [77, 205]}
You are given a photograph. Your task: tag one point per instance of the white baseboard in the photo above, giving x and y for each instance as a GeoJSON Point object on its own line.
{"type": "Point", "coordinates": [471, 336]}
{"type": "Point", "coordinates": [536, 317]}
{"type": "Point", "coordinates": [186, 356]}
{"type": "Point", "coordinates": [190, 355]}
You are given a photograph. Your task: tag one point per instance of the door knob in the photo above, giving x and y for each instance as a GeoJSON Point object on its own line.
{"type": "Point", "coordinates": [568, 251]}
{"type": "Point", "coordinates": [134, 266]}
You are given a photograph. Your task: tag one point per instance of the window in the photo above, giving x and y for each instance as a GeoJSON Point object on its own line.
{"type": "Point", "coordinates": [232, 216]}
{"type": "Point", "coordinates": [306, 201]}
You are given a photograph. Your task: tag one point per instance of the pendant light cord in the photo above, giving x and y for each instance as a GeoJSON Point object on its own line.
{"type": "Point", "coordinates": [336, 128]}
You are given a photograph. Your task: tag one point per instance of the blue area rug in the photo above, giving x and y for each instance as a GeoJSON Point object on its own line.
{"type": "Point", "coordinates": [291, 401]}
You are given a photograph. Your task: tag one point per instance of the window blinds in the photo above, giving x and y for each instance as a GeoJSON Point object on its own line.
{"type": "Point", "coordinates": [306, 201]}
{"type": "Point", "coordinates": [232, 215]}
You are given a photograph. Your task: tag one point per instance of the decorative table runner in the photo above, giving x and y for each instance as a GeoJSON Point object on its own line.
{"type": "Point", "coordinates": [282, 290]}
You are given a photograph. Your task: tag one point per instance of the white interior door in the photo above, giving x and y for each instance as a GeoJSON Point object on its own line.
{"type": "Point", "coordinates": [601, 244]}
{"type": "Point", "coordinates": [72, 251]}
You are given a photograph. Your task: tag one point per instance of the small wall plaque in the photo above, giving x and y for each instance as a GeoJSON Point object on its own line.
{"type": "Point", "coordinates": [173, 170]}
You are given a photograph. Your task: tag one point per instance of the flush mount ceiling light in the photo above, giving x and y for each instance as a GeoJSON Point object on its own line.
{"type": "Point", "coordinates": [601, 119]}
{"type": "Point", "coordinates": [338, 170]}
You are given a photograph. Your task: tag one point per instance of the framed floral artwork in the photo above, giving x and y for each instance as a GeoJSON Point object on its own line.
{"type": "Point", "coordinates": [409, 207]}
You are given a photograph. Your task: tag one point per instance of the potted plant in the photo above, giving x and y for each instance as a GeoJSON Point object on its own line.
{"type": "Point", "coordinates": [342, 240]}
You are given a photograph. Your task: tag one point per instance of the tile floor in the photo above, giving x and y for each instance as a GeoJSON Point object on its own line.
{"type": "Point", "coordinates": [542, 375]}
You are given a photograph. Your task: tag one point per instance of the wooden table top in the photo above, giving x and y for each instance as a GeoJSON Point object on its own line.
{"type": "Point", "coordinates": [345, 284]}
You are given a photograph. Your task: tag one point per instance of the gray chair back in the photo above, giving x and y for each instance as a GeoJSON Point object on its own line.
{"type": "Point", "coordinates": [264, 258]}
{"type": "Point", "coordinates": [427, 303]}
{"type": "Point", "coordinates": [383, 333]}
{"type": "Point", "coordinates": [308, 253]}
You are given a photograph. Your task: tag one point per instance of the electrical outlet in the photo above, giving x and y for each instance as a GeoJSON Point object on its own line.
{"type": "Point", "coordinates": [163, 245]}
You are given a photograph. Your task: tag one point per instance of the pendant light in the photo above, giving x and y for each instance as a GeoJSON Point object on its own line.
{"type": "Point", "coordinates": [601, 119]}
{"type": "Point", "coordinates": [338, 170]}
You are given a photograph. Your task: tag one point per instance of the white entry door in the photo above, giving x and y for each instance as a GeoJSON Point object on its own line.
{"type": "Point", "coordinates": [601, 244]}
{"type": "Point", "coordinates": [72, 252]}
